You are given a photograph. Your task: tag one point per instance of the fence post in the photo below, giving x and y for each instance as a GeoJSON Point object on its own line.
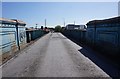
{"type": "Point", "coordinates": [16, 26]}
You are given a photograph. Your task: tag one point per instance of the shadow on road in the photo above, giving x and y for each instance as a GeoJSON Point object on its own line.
{"type": "Point", "coordinates": [101, 60]}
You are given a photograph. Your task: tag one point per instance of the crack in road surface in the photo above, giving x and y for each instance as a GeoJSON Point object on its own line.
{"type": "Point", "coordinates": [52, 56]}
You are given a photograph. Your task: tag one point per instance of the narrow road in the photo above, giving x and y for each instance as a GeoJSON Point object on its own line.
{"type": "Point", "coordinates": [53, 55]}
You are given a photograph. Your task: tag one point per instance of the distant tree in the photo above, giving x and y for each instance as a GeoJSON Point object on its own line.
{"type": "Point", "coordinates": [42, 27]}
{"type": "Point", "coordinates": [58, 28]}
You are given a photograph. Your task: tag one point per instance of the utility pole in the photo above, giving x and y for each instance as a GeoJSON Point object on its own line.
{"type": "Point", "coordinates": [45, 22]}
{"type": "Point", "coordinates": [36, 26]}
{"type": "Point", "coordinates": [74, 22]}
{"type": "Point", "coordinates": [64, 22]}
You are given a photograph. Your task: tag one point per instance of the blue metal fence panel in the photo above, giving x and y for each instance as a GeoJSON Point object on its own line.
{"type": "Point", "coordinates": [78, 35]}
{"type": "Point", "coordinates": [34, 34]}
{"type": "Point", "coordinates": [8, 38]}
{"type": "Point", "coordinates": [107, 38]}
{"type": "Point", "coordinates": [90, 36]}
{"type": "Point", "coordinates": [105, 35]}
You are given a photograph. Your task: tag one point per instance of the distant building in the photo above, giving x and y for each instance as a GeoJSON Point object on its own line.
{"type": "Point", "coordinates": [82, 27]}
{"type": "Point", "coordinates": [73, 27]}
{"type": "Point", "coordinates": [70, 26]}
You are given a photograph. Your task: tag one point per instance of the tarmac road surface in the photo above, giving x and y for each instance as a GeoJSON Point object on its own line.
{"type": "Point", "coordinates": [53, 55]}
